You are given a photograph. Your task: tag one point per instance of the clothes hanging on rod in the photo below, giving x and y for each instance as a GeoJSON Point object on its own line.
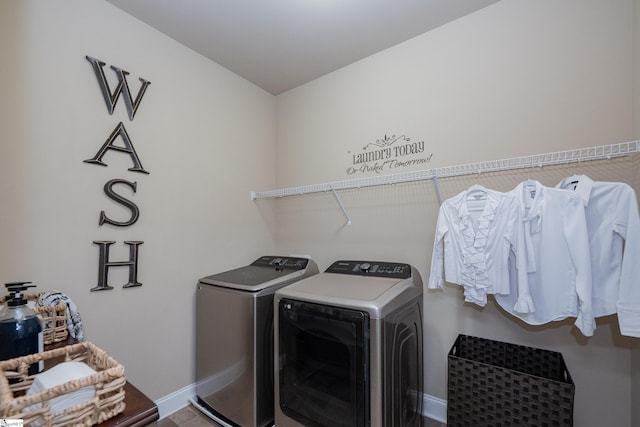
{"type": "Point", "coordinates": [475, 234]}
{"type": "Point", "coordinates": [578, 245]}
{"type": "Point", "coordinates": [554, 227]}
{"type": "Point", "coordinates": [613, 225]}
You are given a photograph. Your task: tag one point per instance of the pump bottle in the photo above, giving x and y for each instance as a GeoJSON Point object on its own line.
{"type": "Point", "coordinates": [20, 328]}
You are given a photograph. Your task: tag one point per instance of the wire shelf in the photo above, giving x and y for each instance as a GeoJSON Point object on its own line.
{"type": "Point", "coordinates": [537, 160]}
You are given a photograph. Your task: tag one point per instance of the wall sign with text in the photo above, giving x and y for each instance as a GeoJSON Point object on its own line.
{"type": "Point", "coordinates": [388, 154]}
{"type": "Point", "coordinates": [126, 147]}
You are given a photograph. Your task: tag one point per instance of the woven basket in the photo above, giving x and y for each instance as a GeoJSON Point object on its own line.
{"type": "Point", "coordinates": [108, 382]}
{"type": "Point", "coordinates": [54, 319]}
{"type": "Point", "coordinates": [493, 383]}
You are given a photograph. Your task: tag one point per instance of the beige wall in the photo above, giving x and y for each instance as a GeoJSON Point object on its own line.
{"type": "Point", "coordinates": [635, 367]}
{"type": "Point", "coordinates": [520, 77]}
{"type": "Point", "coordinates": [205, 136]}
{"type": "Point", "coordinates": [516, 78]}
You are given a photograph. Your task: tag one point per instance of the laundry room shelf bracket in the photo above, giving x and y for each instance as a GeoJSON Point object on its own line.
{"type": "Point", "coordinates": [344, 211]}
{"type": "Point", "coordinates": [577, 155]}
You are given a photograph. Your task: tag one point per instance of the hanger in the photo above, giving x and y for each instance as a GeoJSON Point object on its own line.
{"type": "Point", "coordinates": [476, 198]}
{"type": "Point", "coordinates": [476, 193]}
{"type": "Point", "coordinates": [529, 186]}
{"type": "Point", "coordinates": [570, 182]}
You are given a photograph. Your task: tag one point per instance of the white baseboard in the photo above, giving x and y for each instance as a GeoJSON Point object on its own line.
{"type": "Point", "coordinates": [432, 407]}
{"type": "Point", "coordinates": [175, 401]}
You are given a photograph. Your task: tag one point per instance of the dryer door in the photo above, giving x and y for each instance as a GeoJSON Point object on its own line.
{"type": "Point", "coordinates": [323, 364]}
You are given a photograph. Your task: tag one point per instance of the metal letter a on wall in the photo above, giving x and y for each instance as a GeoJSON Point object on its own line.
{"type": "Point", "coordinates": [121, 132]}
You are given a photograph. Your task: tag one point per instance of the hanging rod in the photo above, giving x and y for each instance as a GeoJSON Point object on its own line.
{"type": "Point", "coordinates": [524, 162]}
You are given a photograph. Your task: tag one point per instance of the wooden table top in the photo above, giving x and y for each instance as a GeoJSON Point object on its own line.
{"type": "Point", "coordinates": [139, 410]}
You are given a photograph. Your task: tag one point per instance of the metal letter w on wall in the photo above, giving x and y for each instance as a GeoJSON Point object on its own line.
{"type": "Point", "coordinates": [111, 98]}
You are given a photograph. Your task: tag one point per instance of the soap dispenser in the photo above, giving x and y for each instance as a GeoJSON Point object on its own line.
{"type": "Point", "coordinates": [20, 328]}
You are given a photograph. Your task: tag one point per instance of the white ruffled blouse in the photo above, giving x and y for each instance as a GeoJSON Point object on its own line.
{"type": "Point", "coordinates": [476, 232]}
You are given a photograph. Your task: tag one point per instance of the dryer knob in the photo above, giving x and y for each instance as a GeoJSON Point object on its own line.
{"type": "Point", "coordinates": [365, 266]}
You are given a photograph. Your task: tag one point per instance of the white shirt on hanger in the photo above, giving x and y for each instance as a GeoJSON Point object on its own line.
{"type": "Point", "coordinates": [476, 232]}
{"type": "Point", "coordinates": [557, 256]}
{"type": "Point", "coordinates": [613, 225]}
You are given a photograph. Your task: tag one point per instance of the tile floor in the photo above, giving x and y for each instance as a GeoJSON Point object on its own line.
{"type": "Point", "coordinates": [191, 417]}
{"type": "Point", "coordinates": [188, 416]}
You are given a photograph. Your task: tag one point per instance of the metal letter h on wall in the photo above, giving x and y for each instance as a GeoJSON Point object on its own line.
{"type": "Point", "coordinates": [105, 264]}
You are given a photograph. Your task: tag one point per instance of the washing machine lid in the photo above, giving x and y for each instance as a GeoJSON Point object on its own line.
{"type": "Point", "coordinates": [367, 285]}
{"type": "Point", "coordinates": [266, 271]}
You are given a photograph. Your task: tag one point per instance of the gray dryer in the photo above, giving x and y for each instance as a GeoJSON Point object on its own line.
{"type": "Point", "coordinates": [349, 347]}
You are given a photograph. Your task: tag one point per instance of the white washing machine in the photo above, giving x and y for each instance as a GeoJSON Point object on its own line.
{"type": "Point", "coordinates": [349, 347]}
{"type": "Point", "coordinates": [234, 339]}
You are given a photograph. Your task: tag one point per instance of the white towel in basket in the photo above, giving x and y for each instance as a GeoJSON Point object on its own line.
{"type": "Point", "coordinates": [74, 323]}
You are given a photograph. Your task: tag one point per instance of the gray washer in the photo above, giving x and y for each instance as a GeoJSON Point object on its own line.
{"type": "Point", "coordinates": [234, 339]}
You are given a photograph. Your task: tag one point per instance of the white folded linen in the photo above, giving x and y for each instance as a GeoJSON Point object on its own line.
{"type": "Point", "coordinates": [60, 374]}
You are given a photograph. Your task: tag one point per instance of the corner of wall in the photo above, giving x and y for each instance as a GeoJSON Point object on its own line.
{"type": "Point", "coordinates": [635, 351]}
{"type": "Point", "coordinates": [635, 382]}
{"type": "Point", "coordinates": [636, 69]}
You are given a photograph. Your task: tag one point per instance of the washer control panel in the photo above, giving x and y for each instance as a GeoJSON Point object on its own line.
{"type": "Point", "coordinates": [280, 262]}
{"type": "Point", "coordinates": [371, 268]}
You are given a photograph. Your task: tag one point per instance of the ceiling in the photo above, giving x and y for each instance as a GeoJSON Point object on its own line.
{"type": "Point", "coordinates": [281, 44]}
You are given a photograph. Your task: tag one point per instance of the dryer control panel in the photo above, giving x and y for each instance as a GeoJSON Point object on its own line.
{"type": "Point", "coordinates": [280, 263]}
{"type": "Point", "coordinates": [371, 268]}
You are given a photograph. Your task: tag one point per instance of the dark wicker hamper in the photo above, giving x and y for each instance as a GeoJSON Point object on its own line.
{"type": "Point", "coordinates": [492, 383]}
